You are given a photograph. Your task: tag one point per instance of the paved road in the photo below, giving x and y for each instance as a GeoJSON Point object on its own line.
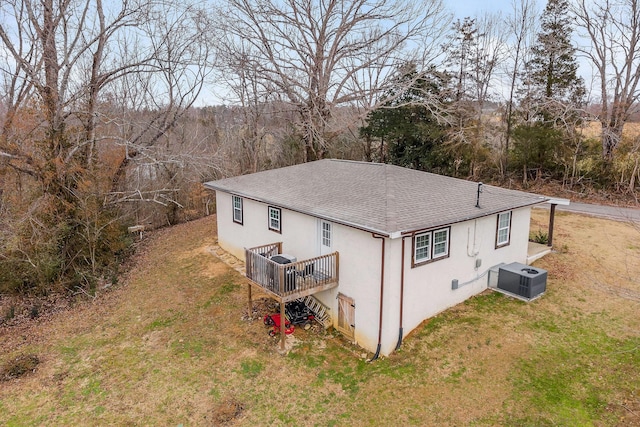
{"type": "Point", "coordinates": [609, 212]}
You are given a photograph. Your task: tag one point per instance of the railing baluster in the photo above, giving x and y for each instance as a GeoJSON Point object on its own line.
{"type": "Point", "coordinates": [285, 280]}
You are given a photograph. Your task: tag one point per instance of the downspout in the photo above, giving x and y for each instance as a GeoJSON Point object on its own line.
{"type": "Point", "coordinates": [400, 331]}
{"type": "Point", "coordinates": [375, 356]}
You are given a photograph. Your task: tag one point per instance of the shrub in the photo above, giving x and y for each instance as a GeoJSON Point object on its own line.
{"type": "Point", "coordinates": [539, 237]}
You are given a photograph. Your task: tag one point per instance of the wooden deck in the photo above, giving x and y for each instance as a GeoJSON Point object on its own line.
{"type": "Point", "coordinates": [287, 282]}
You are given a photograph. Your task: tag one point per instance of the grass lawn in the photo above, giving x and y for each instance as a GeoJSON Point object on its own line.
{"type": "Point", "coordinates": [169, 347]}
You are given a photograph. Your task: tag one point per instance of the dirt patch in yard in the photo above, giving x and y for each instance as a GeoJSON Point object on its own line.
{"type": "Point", "coordinates": [226, 411]}
{"type": "Point", "coordinates": [20, 366]}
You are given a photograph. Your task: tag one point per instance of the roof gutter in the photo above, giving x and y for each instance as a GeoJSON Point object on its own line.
{"type": "Point", "coordinates": [412, 232]}
{"type": "Point", "coordinates": [375, 356]}
{"type": "Point", "coordinates": [391, 235]}
{"type": "Point", "coordinates": [313, 214]}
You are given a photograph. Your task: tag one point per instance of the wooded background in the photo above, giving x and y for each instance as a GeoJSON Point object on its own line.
{"type": "Point", "coordinates": [105, 125]}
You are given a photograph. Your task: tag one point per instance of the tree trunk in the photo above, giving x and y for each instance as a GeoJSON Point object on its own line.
{"type": "Point", "coordinates": [611, 137]}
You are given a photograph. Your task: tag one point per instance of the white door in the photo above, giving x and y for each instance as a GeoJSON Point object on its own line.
{"type": "Point", "coordinates": [326, 237]}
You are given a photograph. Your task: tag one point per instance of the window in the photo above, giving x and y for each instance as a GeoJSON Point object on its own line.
{"type": "Point", "coordinates": [430, 246]}
{"type": "Point", "coordinates": [441, 243]}
{"type": "Point", "coordinates": [423, 247]}
{"type": "Point", "coordinates": [326, 234]}
{"type": "Point", "coordinates": [237, 209]}
{"type": "Point", "coordinates": [503, 232]}
{"type": "Point", "coordinates": [275, 215]}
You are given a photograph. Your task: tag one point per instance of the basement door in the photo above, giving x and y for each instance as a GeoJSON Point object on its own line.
{"type": "Point", "coordinates": [346, 315]}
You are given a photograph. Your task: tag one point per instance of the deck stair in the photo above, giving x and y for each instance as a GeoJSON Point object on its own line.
{"type": "Point", "coordinates": [320, 310]}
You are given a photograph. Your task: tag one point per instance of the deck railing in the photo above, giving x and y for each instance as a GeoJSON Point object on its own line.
{"type": "Point", "coordinates": [293, 280]}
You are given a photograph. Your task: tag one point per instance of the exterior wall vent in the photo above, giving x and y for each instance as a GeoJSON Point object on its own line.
{"type": "Point", "coordinates": [522, 280]}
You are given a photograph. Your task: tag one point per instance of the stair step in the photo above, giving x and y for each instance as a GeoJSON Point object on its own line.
{"type": "Point", "coordinates": [319, 309]}
{"type": "Point", "coordinates": [227, 258]}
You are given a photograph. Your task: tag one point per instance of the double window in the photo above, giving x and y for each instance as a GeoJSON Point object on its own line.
{"type": "Point", "coordinates": [430, 246]}
{"type": "Point", "coordinates": [237, 209]}
{"type": "Point", "coordinates": [503, 231]}
{"type": "Point", "coordinates": [275, 219]}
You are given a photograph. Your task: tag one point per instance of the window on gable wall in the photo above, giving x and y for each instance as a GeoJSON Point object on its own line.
{"type": "Point", "coordinates": [237, 209]}
{"type": "Point", "coordinates": [430, 246]}
{"type": "Point", "coordinates": [503, 231]}
{"type": "Point", "coordinates": [275, 215]}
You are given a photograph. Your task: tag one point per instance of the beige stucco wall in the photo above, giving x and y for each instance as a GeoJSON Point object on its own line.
{"type": "Point", "coordinates": [427, 289]}
{"type": "Point", "coordinates": [298, 232]}
{"type": "Point", "coordinates": [359, 255]}
{"type": "Point", "coordinates": [359, 279]}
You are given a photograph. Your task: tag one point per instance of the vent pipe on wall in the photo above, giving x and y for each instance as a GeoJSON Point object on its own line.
{"type": "Point", "coordinates": [478, 196]}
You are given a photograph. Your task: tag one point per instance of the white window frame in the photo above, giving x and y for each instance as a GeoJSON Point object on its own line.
{"type": "Point", "coordinates": [503, 232]}
{"type": "Point", "coordinates": [275, 219]}
{"type": "Point", "coordinates": [444, 243]}
{"type": "Point", "coordinates": [425, 247]}
{"type": "Point", "coordinates": [325, 228]}
{"type": "Point", "coordinates": [237, 207]}
{"type": "Point", "coordinates": [427, 250]}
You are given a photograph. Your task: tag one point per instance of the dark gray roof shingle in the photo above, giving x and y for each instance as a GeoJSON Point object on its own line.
{"type": "Point", "coordinates": [376, 197]}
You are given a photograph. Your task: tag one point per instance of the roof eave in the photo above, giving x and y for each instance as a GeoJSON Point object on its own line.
{"type": "Point", "coordinates": [392, 234]}
{"type": "Point", "coordinates": [306, 212]}
{"type": "Point", "coordinates": [469, 218]}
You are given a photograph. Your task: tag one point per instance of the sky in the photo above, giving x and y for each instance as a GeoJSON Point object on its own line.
{"type": "Point", "coordinates": [462, 8]}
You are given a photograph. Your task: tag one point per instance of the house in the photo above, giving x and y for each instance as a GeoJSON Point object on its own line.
{"type": "Point", "coordinates": [380, 246]}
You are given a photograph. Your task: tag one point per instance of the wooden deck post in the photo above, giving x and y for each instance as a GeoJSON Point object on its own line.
{"type": "Point", "coordinates": [552, 215]}
{"type": "Point", "coordinates": [283, 327]}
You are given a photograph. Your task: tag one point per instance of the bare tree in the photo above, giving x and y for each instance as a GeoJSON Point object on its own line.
{"type": "Point", "coordinates": [314, 54]}
{"type": "Point", "coordinates": [612, 28]}
{"type": "Point", "coordinates": [66, 62]}
{"type": "Point", "coordinates": [153, 101]}
{"type": "Point", "coordinates": [474, 50]}
{"type": "Point", "coordinates": [240, 75]}
{"type": "Point", "coordinates": [521, 25]}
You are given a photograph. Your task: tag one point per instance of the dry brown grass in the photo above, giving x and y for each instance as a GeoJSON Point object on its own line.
{"type": "Point", "coordinates": [170, 347]}
{"type": "Point", "coordinates": [594, 129]}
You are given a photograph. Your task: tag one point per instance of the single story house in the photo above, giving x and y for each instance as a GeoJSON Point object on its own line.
{"type": "Point", "coordinates": [380, 246]}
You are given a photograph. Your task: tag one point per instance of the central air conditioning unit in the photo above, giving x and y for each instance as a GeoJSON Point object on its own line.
{"type": "Point", "coordinates": [522, 280]}
{"type": "Point", "coordinates": [284, 259]}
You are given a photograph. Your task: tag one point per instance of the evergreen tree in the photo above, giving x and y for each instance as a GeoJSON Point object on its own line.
{"type": "Point", "coordinates": [408, 126]}
{"type": "Point", "coordinates": [551, 107]}
{"type": "Point", "coordinates": [552, 72]}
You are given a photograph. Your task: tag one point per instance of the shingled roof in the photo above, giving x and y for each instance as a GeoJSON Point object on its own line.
{"type": "Point", "coordinates": [385, 199]}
